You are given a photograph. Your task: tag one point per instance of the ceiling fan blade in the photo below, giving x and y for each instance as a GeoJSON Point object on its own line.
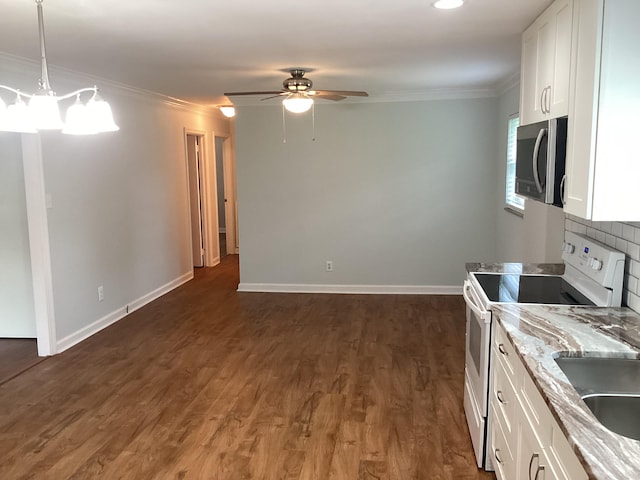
{"type": "Point", "coordinates": [328, 96]}
{"type": "Point", "coordinates": [273, 92]}
{"type": "Point", "coordinates": [346, 93]}
{"type": "Point", "coordinates": [274, 96]}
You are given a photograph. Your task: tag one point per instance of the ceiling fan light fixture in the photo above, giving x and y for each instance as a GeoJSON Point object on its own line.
{"type": "Point", "coordinates": [228, 111]}
{"type": "Point", "coordinates": [297, 103]}
{"type": "Point", "coordinates": [448, 4]}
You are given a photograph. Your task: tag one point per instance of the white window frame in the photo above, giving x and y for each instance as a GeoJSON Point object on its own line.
{"type": "Point", "coordinates": [512, 201]}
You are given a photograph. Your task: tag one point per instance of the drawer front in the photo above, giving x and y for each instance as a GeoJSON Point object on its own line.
{"type": "Point", "coordinates": [500, 449]}
{"type": "Point", "coordinates": [503, 396]}
{"type": "Point", "coordinates": [534, 407]}
{"type": "Point", "coordinates": [505, 351]}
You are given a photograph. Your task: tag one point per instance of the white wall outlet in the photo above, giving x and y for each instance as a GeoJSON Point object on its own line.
{"type": "Point", "coordinates": [329, 266]}
{"type": "Point", "coordinates": [100, 293]}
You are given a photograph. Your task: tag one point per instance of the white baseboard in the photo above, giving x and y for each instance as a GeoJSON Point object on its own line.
{"type": "Point", "coordinates": [357, 289]}
{"type": "Point", "coordinates": [118, 314]}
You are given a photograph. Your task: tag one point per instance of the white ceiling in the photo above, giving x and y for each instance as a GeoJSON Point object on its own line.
{"type": "Point", "coordinates": [198, 49]}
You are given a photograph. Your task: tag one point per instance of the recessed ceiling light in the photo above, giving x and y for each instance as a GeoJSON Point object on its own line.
{"type": "Point", "coordinates": [448, 4]}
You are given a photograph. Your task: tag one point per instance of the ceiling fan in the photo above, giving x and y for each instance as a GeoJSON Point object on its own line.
{"type": "Point", "coordinates": [298, 94]}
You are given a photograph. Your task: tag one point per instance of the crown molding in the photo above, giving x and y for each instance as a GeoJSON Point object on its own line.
{"type": "Point", "coordinates": [508, 83]}
{"type": "Point", "coordinates": [21, 65]}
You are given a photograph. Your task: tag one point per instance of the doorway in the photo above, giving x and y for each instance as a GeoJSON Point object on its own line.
{"type": "Point", "coordinates": [212, 197]}
{"type": "Point", "coordinates": [195, 144]}
{"type": "Point", "coordinates": [221, 197]}
{"type": "Point", "coordinates": [226, 196]}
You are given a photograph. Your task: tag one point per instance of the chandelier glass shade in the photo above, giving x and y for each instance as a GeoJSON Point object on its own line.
{"type": "Point", "coordinates": [30, 113]}
{"type": "Point", "coordinates": [297, 103]}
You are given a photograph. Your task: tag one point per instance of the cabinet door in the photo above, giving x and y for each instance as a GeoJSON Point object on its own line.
{"type": "Point", "coordinates": [529, 102]}
{"type": "Point", "coordinates": [581, 135]}
{"type": "Point", "coordinates": [532, 463]}
{"type": "Point", "coordinates": [537, 70]}
{"type": "Point", "coordinates": [558, 96]}
{"type": "Point", "coordinates": [603, 164]}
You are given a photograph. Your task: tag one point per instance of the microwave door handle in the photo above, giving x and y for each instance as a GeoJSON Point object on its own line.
{"type": "Point", "coordinates": [550, 193]}
{"type": "Point", "coordinates": [535, 159]}
{"type": "Point", "coordinates": [469, 301]}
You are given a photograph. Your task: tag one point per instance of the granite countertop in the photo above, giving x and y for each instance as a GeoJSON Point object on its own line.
{"type": "Point", "coordinates": [526, 268]}
{"type": "Point", "coordinates": [540, 333]}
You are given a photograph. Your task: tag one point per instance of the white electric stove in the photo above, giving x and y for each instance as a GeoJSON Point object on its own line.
{"type": "Point", "coordinates": [593, 276]}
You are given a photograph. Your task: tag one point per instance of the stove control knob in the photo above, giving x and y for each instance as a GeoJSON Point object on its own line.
{"type": "Point", "coordinates": [597, 264]}
{"type": "Point", "coordinates": [568, 248]}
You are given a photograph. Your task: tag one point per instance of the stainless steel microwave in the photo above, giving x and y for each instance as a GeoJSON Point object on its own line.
{"type": "Point", "coordinates": [541, 152]}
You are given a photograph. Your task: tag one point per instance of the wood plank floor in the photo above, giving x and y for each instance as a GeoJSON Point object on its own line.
{"type": "Point", "coordinates": [16, 356]}
{"type": "Point", "coordinates": [208, 383]}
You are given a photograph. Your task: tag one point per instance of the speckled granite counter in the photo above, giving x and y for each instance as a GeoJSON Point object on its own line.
{"type": "Point", "coordinates": [526, 268]}
{"type": "Point", "coordinates": [540, 333]}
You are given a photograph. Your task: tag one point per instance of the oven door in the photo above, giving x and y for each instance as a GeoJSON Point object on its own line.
{"type": "Point", "coordinates": [476, 387]}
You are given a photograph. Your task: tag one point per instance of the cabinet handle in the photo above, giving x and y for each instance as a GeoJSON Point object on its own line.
{"type": "Point", "coordinates": [496, 454]}
{"type": "Point", "coordinates": [548, 99]}
{"type": "Point", "coordinates": [542, 102]}
{"type": "Point", "coordinates": [502, 350]}
{"type": "Point", "coordinates": [500, 399]}
{"type": "Point", "coordinates": [562, 188]}
{"type": "Point", "coordinates": [540, 469]}
{"type": "Point", "coordinates": [533, 457]}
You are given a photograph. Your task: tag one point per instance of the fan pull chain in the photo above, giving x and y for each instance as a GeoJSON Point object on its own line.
{"type": "Point", "coordinates": [313, 122]}
{"type": "Point", "coordinates": [284, 126]}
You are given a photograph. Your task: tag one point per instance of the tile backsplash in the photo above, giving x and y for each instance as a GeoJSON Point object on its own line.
{"type": "Point", "coordinates": [621, 236]}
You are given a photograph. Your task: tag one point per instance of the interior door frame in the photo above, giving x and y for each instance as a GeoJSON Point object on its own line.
{"type": "Point", "coordinates": [195, 145]}
{"type": "Point", "coordinates": [207, 193]}
{"type": "Point", "coordinates": [230, 206]}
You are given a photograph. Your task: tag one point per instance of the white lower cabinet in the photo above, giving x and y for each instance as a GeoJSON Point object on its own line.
{"type": "Point", "coordinates": [526, 442]}
{"type": "Point", "coordinates": [532, 460]}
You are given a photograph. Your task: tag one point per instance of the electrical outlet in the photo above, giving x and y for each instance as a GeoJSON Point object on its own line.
{"type": "Point", "coordinates": [100, 293]}
{"type": "Point", "coordinates": [329, 266]}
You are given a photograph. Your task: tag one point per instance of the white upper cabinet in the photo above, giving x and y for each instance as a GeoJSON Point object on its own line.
{"type": "Point", "coordinates": [546, 60]}
{"type": "Point", "coordinates": [603, 158]}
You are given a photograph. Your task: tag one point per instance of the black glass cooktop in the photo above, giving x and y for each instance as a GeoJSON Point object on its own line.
{"type": "Point", "coordinates": [513, 288]}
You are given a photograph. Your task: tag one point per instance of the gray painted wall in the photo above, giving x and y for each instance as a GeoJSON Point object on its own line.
{"type": "Point", "coordinates": [119, 215]}
{"type": "Point", "coordinates": [537, 236]}
{"type": "Point", "coordinates": [17, 317]}
{"type": "Point", "coordinates": [392, 193]}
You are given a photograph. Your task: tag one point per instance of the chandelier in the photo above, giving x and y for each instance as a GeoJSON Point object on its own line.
{"type": "Point", "coordinates": [30, 113]}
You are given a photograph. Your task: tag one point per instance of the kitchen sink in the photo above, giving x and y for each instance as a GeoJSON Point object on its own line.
{"type": "Point", "coordinates": [619, 413]}
{"type": "Point", "coordinates": [602, 375]}
{"type": "Point", "coordinates": [610, 387]}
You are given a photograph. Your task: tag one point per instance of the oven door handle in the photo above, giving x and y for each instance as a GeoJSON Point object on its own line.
{"type": "Point", "coordinates": [467, 290]}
